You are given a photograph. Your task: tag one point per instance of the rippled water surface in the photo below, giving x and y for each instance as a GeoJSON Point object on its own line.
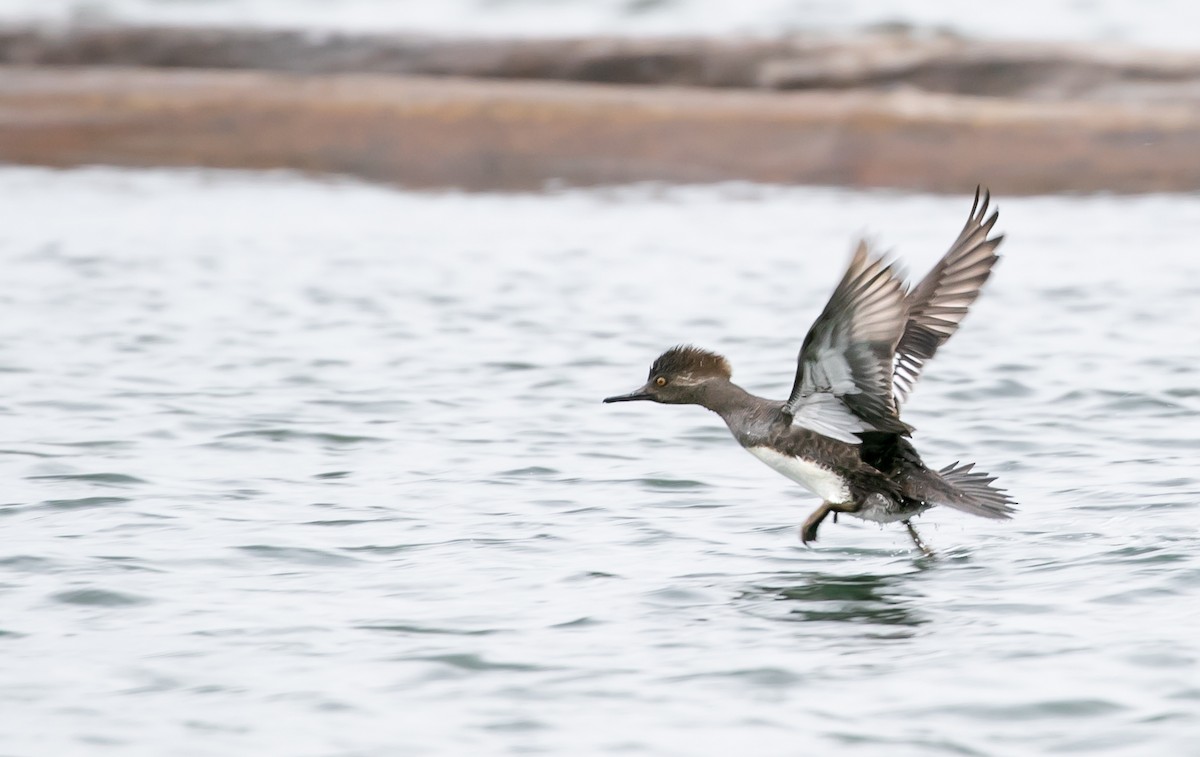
{"type": "Point", "coordinates": [321, 469]}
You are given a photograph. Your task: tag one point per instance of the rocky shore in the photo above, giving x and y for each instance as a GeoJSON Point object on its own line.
{"type": "Point", "coordinates": [885, 109]}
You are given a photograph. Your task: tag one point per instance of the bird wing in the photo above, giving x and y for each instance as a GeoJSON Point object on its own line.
{"type": "Point", "coordinates": [844, 374]}
{"type": "Point", "coordinates": [939, 303]}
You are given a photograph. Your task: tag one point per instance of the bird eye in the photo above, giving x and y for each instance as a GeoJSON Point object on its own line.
{"type": "Point", "coordinates": [660, 381]}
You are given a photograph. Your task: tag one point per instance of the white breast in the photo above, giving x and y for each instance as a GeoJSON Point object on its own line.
{"type": "Point", "coordinates": [818, 479]}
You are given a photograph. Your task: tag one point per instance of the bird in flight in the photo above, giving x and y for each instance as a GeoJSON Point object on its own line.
{"type": "Point", "coordinates": [839, 432]}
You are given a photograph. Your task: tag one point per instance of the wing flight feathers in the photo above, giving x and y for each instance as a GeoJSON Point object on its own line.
{"type": "Point", "coordinates": [938, 304]}
{"type": "Point", "coordinates": [865, 352]}
{"type": "Point", "coordinates": [848, 354]}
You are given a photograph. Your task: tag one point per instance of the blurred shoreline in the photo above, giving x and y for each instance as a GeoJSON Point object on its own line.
{"type": "Point", "coordinates": [928, 112]}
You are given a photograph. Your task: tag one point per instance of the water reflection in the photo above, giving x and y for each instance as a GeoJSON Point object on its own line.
{"type": "Point", "coordinates": [814, 596]}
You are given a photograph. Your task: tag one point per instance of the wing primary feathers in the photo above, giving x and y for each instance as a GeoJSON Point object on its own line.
{"type": "Point", "coordinates": [939, 303]}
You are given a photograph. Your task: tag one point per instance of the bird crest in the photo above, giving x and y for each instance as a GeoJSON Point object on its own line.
{"type": "Point", "coordinates": [686, 360]}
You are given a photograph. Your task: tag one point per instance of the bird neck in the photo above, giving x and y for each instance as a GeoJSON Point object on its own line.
{"type": "Point", "coordinates": [726, 398]}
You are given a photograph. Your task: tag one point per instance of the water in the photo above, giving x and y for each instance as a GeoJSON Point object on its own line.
{"type": "Point", "coordinates": [321, 469]}
{"type": "Point", "coordinates": [1157, 23]}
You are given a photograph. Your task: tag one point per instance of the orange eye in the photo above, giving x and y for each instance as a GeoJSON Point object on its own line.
{"type": "Point", "coordinates": [660, 381]}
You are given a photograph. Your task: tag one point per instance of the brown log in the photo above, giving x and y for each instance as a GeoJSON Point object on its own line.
{"type": "Point", "coordinates": [503, 135]}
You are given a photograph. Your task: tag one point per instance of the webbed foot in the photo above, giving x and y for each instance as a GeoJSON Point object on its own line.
{"type": "Point", "coordinates": [808, 531]}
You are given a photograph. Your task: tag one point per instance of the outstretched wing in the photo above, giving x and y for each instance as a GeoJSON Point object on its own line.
{"type": "Point", "coordinates": [844, 377]}
{"type": "Point", "coordinates": [939, 303]}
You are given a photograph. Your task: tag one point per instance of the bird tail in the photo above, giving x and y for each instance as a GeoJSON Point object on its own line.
{"type": "Point", "coordinates": [972, 492]}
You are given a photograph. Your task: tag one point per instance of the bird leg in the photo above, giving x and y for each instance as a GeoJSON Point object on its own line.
{"type": "Point", "coordinates": [925, 550]}
{"type": "Point", "coordinates": [808, 532]}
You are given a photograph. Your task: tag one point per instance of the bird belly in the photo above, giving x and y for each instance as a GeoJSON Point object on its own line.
{"type": "Point", "coordinates": [879, 508]}
{"type": "Point", "coordinates": [817, 478]}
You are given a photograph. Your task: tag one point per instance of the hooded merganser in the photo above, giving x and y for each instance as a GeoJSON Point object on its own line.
{"type": "Point", "coordinates": [839, 434]}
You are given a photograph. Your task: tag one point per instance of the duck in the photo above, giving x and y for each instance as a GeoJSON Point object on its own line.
{"type": "Point", "coordinates": [839, 433]}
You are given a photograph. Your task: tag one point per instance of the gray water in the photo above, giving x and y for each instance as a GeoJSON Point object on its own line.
{"type": "Point", "coordinates": [1155, 23]}
{"type": "Point", "coordinates": [301, 468]}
